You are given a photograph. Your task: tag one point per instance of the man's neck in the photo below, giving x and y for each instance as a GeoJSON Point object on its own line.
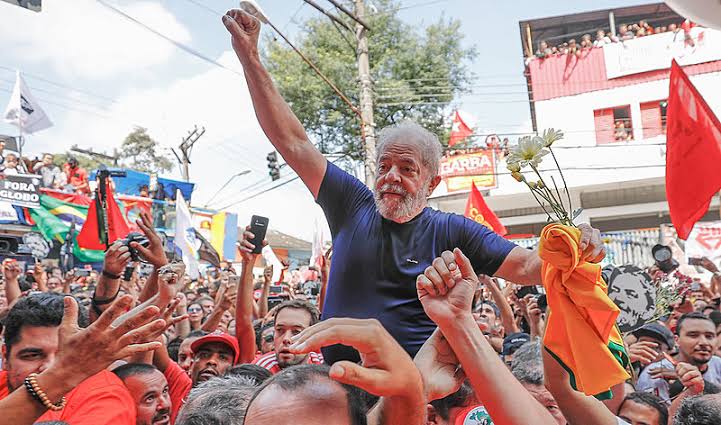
{"type": "Point", "coordinates": [701, 366]}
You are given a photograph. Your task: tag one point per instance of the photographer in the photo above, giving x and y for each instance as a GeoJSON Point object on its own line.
{"type": "Point", "coordinates": [117, 259]}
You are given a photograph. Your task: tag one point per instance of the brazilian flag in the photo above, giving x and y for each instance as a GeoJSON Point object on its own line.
{"type": "Point", "coordinates": [53, 220]}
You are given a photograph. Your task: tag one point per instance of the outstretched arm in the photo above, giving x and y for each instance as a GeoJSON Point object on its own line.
{"type": "Point", "coordinates": [276, 118]}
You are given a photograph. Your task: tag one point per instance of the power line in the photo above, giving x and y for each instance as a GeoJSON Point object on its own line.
{"type": "Point", "coordinates": [176, 43]}
{"type": "Point", "coordinates": [61, 85]}
{"type": "Point", "coordinates": [260, 193]}
{"type": "Point", "coordinates": [41, 90]}
{"type": "Point", "coordinates": [292, 18]}
{"type": "Point", "coordinates": [206, 7]}
{"type": "Point", "coordinates": [70, 108]}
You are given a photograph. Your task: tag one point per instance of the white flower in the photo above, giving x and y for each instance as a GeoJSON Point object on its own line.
{"type": "Point", "coordinates": [550, 136]}
{"type": "Point", "coordinates": [529, 151]}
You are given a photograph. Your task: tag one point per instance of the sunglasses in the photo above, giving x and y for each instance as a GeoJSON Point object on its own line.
{"type": "Point", "coordinates": [195, 310]}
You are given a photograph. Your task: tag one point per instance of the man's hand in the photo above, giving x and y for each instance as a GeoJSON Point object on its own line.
{"type": "Point", "coordinates": [85, 352]}
{"type": "Point", "coordinates": [228, 300]}
{"type": "Point", "coordinates": [644, 352]}
{"type": "Point", "coordinates": [708, 265]}
{"type": "Point", "coordinates": [690, 377]}
{"type": "Point", "coordinates": [169, 284]}
{"type": "Point", "coordinates": [11, 270]}
{"type": "Point", "coordinates": [591, 244]}
{"type": "Point", "coordinates": [268, 274]}
{"type": "Point", "coordinates": [154, 253]}
{"type": "Point", "coordinates": [244, 30]}
{"type": "Point", "coordinates": [386, 369]}
{"type": "Point", "coordinates": [439, 367]}
{"type": "Point", "coordinates": [246, 248]}
{"type": "Point", "coordinates": [445, 301]}
{"type": "Point", "coordinates": [117, 258]}
{"type": "Point", "coordinates": [663, 373]}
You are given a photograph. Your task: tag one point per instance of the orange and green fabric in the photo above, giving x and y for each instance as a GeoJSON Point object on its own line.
{"type": "Point", "coordinates": [581, 331]}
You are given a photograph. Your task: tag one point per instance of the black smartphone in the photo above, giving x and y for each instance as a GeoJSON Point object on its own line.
{"type": "Point", "coordinates": [276, 289]}
{"type": "Point", "coordinates": [258, 227]}
{"type": "Point", "coordinates": [525, 290]}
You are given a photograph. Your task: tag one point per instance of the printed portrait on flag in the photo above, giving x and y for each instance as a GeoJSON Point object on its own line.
{"type": "Point", "coordinates": [632, 290]}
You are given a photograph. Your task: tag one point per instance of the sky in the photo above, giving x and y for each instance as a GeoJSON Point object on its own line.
{"type": "Point", "coordinates": [98, 73]}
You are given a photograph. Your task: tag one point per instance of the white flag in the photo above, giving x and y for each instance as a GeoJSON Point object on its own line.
{"type": "Point", "coordinates": [24, 111]}
{"type": "Point", "coordinates": [272, 260]}
{"type": "Point", "coordinates": [316, 258]}
{"type": "Point", "coordinates": [185, 236]}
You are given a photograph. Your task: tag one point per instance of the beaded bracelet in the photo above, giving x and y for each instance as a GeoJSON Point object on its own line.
{"type": "Point", "coordinates": [31, 384]}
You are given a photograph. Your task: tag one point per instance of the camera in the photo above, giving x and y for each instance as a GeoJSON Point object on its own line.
{"type": "Point", "coordinates": [140, 239]}
{"type": "Point", "coordinates": [664, 258]}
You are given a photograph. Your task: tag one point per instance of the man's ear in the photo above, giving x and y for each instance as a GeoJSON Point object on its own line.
{"type": "Point", "coordinates": [431, 415]}
{"type": "Point", "coordinates": [435, 181]}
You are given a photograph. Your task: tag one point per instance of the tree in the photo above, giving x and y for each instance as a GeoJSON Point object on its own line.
{"type": "Point", "coordinates": [139, 152]}
{"type": "Point", "coordinates": [416, 76]}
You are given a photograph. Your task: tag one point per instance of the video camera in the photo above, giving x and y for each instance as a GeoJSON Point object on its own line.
{"type": "Point", "coordinates": [141, 240]}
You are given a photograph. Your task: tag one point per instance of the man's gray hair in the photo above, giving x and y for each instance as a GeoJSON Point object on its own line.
{"type": "Point", "coordinates": [430, 146]}
{"type": "Point", "coordinates": [218, 401]}
{"type": "Point", "coordinates": [527, 364]}
{"type": "Point", "coordinates": [699, 410]}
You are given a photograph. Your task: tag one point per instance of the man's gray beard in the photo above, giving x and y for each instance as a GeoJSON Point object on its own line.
{"type": "Point", "coordinates": [408, 208]}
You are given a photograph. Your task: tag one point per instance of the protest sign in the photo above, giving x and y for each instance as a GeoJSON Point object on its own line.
{"type": "Point", "coordinates": [20, 189]}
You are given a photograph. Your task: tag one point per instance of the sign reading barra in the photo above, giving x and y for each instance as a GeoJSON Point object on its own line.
{"type": "Point", "coordinates": [21, 190]}
{"type": "Point", "coordinates": [459, 171]}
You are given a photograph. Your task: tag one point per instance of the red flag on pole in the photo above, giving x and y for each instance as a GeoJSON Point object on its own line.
{"type": "Point", "coordinates": [90, 235]}
{"type": "Point", "coordinates": [693, 153]}
{"type": "Point", "coordinates": [478, 211]}
{"type": "Point", "coordinates": [459, 131]}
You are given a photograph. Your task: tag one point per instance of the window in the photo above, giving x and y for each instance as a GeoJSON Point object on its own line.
{"type": "Point", "coordinates": [613, 125]}
{"type": "Point", "coordinates": [653, 116]}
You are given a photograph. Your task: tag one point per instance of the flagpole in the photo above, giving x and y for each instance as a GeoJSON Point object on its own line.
{"type": "Point", "coordinates": [20, 124]}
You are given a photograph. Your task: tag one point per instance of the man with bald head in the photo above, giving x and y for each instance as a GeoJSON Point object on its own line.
{"type": "Point", "coordinates": [385, 237]}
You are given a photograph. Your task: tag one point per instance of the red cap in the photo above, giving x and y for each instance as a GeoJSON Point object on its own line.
{"type": "Point", "coordinates": [218, 336]}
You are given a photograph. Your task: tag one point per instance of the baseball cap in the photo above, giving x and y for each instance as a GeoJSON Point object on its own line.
{"type": "Point", "coordinates": [513, 342]}
{"type": "Point", "coordinates": [656, 331]}
{"type": "Point", "coordinates": [221, 337]}
{"type": "Point", "coordinates": [474, 415]}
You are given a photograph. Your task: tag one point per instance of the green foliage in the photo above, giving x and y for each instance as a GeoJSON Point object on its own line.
{"type": "Point", "coordinates": [139, 152]}
{"type": "Point", "coordinates": [416, 75]}
{"type": "Point", "coordinates": [87, 162]}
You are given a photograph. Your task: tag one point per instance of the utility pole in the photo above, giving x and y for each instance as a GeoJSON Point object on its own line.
{"type": "Point", "coordinates": [185, 149]}
{"type": "Point", "coordinates": [100, 155]}
{"type": "Point", "coordinates": [366, 93]}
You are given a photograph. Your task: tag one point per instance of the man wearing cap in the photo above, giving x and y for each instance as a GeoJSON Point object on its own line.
{"type": "Point", "coordinates": [511, 344]}
{"type": "Point", "coordinates": [653, 339]}
{"type": "Point", "coordinates": [213, 355]}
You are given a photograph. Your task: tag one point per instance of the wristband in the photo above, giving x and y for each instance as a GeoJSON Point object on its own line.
{"type": "Point", "coordinates": [110, 275]}
{"type": "Point", "coordinates": [31, 385]}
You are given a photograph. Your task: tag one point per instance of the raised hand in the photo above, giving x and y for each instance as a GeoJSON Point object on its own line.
{"type": "Point", "coordinates": [117, 258]}
{"type": "Point", "coordinates": [85, 352]}
{"type": "Point", "coordinates": [245, 31]}
{"type": "Point", "coordinates": [591, 244]}
{"type": "Point", "coordinates": [444, 306]}
{"type": "Point", "coordinates": [246, 248]}
{"type": "Point", "coordinates": [154, 253]}
{"type": "Point", "coordinates": [386, 369]}
{"type": "Point", "coordinates": [690, 377]}
{"type": "Point", "coordinates": [169, 281]}
{"type": "Point", "coordinates": [11, 269]}
{"type": "Point", "coordinates": [439, 367]}
{"type": "Point", "coordinates": [645, 352]}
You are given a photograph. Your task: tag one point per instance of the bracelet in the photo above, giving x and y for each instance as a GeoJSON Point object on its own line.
{"type": "Point", "coordinates": [31, 384]}
{"type": "Point", "coordinates": [110, 275]}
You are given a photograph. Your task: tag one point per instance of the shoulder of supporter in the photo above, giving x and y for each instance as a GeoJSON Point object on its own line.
{"type": "Point", "coordinates": [645, 381]}
{"type": "Point", "coordinates": [101, 399]}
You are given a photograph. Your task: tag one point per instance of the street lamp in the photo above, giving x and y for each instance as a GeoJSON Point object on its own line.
{"type": "Point", "coordinates": [242, 173]}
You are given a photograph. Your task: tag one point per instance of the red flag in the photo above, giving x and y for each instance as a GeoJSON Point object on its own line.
{"type": "Point", "coordinates": [478, 211]}
{"type": "Point", "coordinates": [693, 153]}
{"type": "Point", "coordinates": [459, 131]}
{"type": "Point", "coordinates": [89, 236]}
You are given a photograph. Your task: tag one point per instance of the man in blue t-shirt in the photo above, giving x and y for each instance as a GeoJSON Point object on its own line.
{"type": "Point", "coordinates": [384, 239]}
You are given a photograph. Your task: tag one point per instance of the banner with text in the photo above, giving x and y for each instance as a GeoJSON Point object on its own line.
{"type": "Point", "coordinates": [459, 171]}
{"type": "Point", "coordinates": [655, 52]}
{"type": "Point", "coordinates": [705, 241]}
{"type": "Point", "coordinates": [20, 189]}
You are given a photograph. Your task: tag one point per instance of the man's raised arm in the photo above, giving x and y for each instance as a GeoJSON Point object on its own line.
{"type": "Point", "coordinates": [276, 118]}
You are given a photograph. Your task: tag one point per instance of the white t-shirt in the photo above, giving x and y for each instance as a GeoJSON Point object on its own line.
{"type": "Point", "coordinates": [660, 386]}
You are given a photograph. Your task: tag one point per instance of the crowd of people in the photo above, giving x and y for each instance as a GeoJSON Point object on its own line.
{"type": "Point", "coordinates": [602, 37]}
{"type": "Point", "coordinates": [415, 317]}
{"type": "Point", "coordinates": [71, 178]}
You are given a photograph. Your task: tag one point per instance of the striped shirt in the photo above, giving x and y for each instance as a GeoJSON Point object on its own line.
{"type": "Point", "coordinates": [270, 362]}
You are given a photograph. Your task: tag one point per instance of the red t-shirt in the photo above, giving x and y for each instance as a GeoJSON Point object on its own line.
{"type": "Point", "coordinates": [101, 399]}
{"type": "Point", "coordinates": [270, 362]}
{"type": "Point", "coordinates": [77, 177]}
{"type": "Point", "coordinates": [179, 385]}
